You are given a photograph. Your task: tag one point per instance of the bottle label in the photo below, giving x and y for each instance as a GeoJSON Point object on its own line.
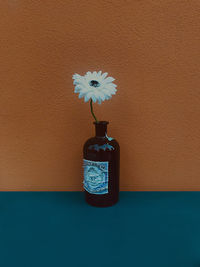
{"type": "Point", "coordinates": [95, 176]}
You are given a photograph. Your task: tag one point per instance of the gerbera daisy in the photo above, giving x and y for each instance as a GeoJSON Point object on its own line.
{"type": "Point", "coordinates": [94, 86]}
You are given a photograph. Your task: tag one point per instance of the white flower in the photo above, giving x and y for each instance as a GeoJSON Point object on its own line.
{"type": "Point", "coordinates": [94, 86]}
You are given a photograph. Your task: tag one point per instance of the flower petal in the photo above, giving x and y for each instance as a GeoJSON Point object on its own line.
{"type": "Point", "coordinates": [109, 80]}
{"type": "Point", "coordinates": [99, 73]}
{"type": "Point", "coordinates": [86, 98]}
{"type": "Point", "coordinates": [107, 93]}
{"type": "Point", "coordinates": [102, 96]}
{"type": "Point", "coordinates": [88, 73]}
{"type": "Point", "coordinates": [75, 76]}
{"type": "Point", "coordinates": [93, 98]}
{"type": "Point", "coordinates": [81, 95]}
{"type": "Point", "coordinates": [110, 87]}
{"type": "Point", "coordinates": [89, 95]}
{"type": "Point", "coordinates": [104, 75]}
{"type": "Point", "coordinates": [77, 88]}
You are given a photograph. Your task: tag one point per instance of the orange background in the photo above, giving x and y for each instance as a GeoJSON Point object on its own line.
{"type": "Point", "coordinates": [152, 48]}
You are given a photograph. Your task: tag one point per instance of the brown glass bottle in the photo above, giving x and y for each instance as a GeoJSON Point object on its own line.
{"type": "Point", "coordinates": [101, 156]}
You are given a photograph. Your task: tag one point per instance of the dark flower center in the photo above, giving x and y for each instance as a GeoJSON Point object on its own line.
{"type": "Point", "coordinates": [94, 83]}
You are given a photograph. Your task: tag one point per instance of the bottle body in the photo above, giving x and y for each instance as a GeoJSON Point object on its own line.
{"type": "Point", "coordinates": [101, 156]}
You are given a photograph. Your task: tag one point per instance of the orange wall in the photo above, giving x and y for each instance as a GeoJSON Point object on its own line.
{"type": "Point", "coordinates": [152, 48]}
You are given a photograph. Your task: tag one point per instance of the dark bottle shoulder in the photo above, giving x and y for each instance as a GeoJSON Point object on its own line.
{"type": "Point", "coordinates": [101, 143]}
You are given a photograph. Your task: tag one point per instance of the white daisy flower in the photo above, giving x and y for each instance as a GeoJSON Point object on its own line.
{"type": "Point", "coordinates": [94, 86]}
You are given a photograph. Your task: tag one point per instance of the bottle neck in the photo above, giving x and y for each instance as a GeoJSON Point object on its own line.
{"type": "Point", "coordinates": [101, 128]}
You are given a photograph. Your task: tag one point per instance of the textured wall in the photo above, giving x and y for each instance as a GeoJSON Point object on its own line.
{"type": "Point", "coordinates": [151, 47]}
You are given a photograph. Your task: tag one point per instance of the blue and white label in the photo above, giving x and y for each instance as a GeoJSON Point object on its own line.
{"type": "Point", "coordinates": [95, 176]}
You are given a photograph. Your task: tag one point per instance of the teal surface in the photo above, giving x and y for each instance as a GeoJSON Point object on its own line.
{"type": "Point", "coordinates": [52, 229]}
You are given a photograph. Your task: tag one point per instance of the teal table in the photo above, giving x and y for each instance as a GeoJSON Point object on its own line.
{"type": "Point", "coordinates": [55, 229]}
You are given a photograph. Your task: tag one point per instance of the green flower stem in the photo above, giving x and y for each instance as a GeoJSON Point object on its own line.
{"type": "Point", "coordinates": [91, 108]}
